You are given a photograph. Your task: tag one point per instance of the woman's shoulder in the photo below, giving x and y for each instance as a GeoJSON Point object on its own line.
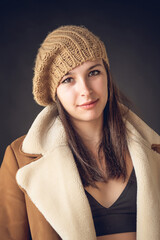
{"type": "Point", "coordinates": [14, 153]}
{"type": "Point", "coordinates": [137, 123]}
{"type": "Point", "coordinates": [17, 143]}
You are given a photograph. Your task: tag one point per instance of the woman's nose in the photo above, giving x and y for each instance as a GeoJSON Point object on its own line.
{"type": "Point", "coordinates": [84, 87]}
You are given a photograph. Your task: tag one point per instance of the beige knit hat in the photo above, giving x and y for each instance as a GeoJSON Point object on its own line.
{"type": "Point", "coordinates": [63, 49]}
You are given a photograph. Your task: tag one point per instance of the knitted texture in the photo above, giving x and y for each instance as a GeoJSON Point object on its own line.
{"type": "Point", "coordinates": [62, 50]}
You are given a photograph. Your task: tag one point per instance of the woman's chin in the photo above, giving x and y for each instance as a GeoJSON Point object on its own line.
{"type": "Point", "coordinates": [88, 117]}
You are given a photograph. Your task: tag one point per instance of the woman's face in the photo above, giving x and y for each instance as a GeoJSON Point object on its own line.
{"type": "Point", "coordinates": [83, 91]}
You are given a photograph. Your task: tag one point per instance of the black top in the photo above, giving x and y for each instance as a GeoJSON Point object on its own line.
{"type": "Point", "coordinates": [121, 216]}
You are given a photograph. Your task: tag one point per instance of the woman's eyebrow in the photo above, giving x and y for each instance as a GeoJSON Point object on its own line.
{"type": "Point", "coordinates": [98, 64]}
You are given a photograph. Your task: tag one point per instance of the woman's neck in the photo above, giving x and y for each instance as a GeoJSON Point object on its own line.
{"type": "Point", "coordinates": [90, 132]}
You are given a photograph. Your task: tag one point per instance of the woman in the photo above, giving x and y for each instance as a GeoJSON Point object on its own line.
{"type": "Point", "coordinates": [88, 168]}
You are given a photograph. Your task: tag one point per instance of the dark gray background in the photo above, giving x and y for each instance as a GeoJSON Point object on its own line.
{"type": "Point", "coordinates": [130, 30]}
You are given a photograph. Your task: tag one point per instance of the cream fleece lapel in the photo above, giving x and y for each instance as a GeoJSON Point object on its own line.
{"type": "Point", "coordinates": [54, 185]}
{"type": "Point", "coordinates": [147, 168]}
{"type": "Point", "coordinates": [53, 182]}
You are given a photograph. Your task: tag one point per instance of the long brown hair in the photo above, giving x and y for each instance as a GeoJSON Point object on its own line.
{"type": "Point", "coordinates": [113, 144]}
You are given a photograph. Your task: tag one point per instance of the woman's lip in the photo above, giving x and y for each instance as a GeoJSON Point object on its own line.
{"type": "Point", "coordinates": [89, 104]}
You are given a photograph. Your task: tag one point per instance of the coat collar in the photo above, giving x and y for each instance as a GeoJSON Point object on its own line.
{"type": "Point", "coordinates": [45, 132]}
{"type": "Point", "coordinates": [54, 185]}
{"type": "Point", "coordinates": [53, 182]}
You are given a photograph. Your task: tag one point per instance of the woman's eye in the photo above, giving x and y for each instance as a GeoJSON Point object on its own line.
{"type": "Point", "coordinates": [67, 80]}
{"type": "Point", "coordinates": [94, 73]}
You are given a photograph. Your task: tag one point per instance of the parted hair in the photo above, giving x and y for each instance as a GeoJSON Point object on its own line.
{"type": "Point", "coordinates": [113, 143]}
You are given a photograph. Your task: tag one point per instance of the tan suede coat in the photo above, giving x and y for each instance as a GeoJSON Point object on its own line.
{"type": "Point", "coordinates": [41, 194]}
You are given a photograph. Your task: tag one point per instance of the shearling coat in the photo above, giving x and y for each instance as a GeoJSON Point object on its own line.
{"type": "Point", "coordinates": [42, 196]}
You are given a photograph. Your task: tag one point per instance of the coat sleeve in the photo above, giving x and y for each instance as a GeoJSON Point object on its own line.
{"type": "Point", "coordinates": [13, 216]}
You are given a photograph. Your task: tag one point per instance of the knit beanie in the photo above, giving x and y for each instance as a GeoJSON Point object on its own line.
{"type": "Point", "coordinates": [62, 50]}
